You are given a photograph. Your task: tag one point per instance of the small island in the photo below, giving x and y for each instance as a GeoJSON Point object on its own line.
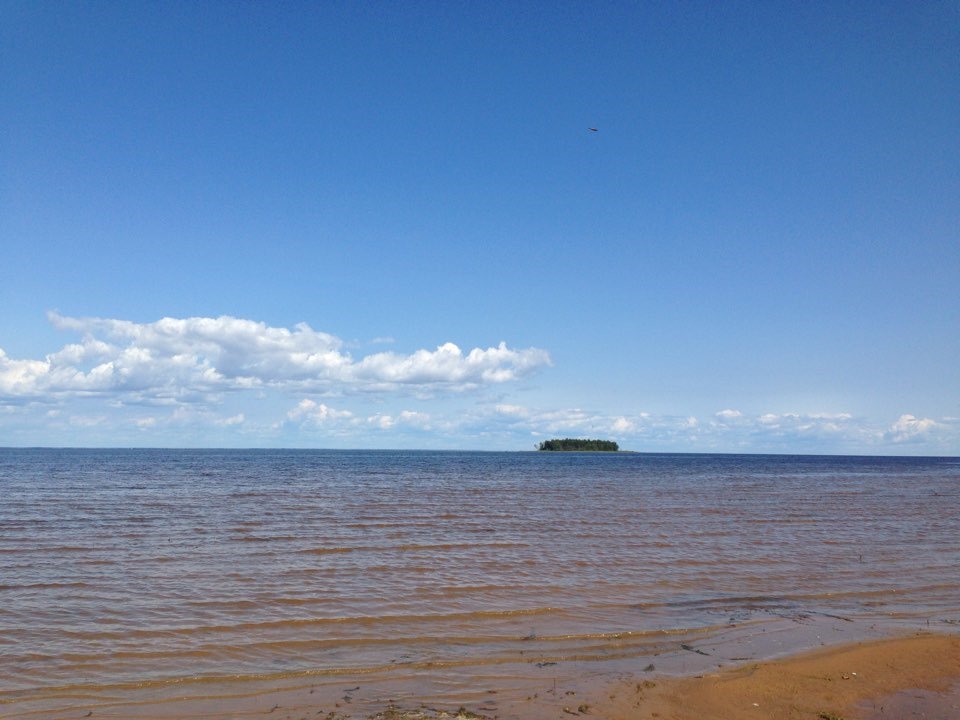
{"type": "Point", "coordinates": [578, 444]}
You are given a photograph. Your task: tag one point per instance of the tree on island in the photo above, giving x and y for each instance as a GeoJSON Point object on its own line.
{"type": "Point", "coordinates": [572, 444]}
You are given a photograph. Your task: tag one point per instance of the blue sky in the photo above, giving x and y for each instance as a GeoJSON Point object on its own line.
{"type": "Point", "coordinates": [389, 225]}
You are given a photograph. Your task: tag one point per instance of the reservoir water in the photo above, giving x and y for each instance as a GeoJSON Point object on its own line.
{"type": "Point", "coordinates": [124, 572]}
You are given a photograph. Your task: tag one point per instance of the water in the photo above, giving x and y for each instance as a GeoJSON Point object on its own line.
{"type": "Point", "coordinates": [125, 570]}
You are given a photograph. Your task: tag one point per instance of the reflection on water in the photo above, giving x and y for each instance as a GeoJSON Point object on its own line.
{"type": "Point", "coordinates": [121, 569]}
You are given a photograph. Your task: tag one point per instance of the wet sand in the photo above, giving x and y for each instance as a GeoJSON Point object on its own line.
{"type": "Point", "coordinates": [916, 676]}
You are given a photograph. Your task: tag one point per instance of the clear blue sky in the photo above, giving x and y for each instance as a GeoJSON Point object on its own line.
{"type": "Point", "coordinates": [389, 225]}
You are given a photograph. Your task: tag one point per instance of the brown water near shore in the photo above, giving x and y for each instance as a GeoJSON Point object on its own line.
{"type": "Point", "coordinates": [139, 582]}
{"type": "Point", "coordinates": [912, 676]}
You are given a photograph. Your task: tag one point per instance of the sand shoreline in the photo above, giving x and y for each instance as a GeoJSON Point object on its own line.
{"type": "Point", "coordinates": [870, 679]}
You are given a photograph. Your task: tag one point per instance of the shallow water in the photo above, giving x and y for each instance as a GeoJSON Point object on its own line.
{"type": "Point", "coordinates": [128, 569]}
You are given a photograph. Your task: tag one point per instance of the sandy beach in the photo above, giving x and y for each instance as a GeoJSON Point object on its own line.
{"type": "Point", "coordinates": [916, 676]}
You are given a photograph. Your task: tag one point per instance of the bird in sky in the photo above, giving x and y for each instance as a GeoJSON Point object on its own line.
{"type": "Point", "coordinates": [592, 129]}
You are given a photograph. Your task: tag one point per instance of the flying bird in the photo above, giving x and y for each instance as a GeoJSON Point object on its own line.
{"type": "Point", "coordinates": [592, 129]}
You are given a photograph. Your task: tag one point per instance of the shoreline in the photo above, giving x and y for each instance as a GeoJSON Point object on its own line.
{"type": "Point", "coordinates": [911, 676]}
{"type": "Point", "coordinates": [881, 677]}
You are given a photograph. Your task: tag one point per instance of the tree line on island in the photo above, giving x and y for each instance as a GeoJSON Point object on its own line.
{"type": "Point", "coordinates": [572, 444]}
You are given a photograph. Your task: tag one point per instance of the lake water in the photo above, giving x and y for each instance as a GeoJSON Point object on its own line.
{"type": "Point", "coordinates": [123, 571]}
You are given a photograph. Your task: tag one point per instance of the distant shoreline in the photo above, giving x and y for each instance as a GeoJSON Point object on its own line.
{"type": "Point", "coordinates": [518, 451]}
{"type": "Point", "coordinates": [578, 445]}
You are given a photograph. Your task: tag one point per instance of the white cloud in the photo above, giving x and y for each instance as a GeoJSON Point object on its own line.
{"type": "Point", "coordinates": [725, 431]}
{"type": "Point", "coordinates": [194, 359]}
{"type": "Point", "coordinates": [729, 414]}
{"type": "Point", "coordinates": [911, 429]}
{"type": "Point", "coordinates": [622, 425]}
{"type": "Point", "coordinates": [514, 410]}
{"type": "Point", "coordinates": [774, 432]}
{"type": "Point", "coordinates": [312, 412]}
{"type": "Point", "coordinates": [384, 422]}
{"type": "Point", "coordinates": [87, 421]}
{"type": "Point", "coordinates": [20, 377]}
{"type": "Point", "coordinates": [823, 422]}
{"type": "Point", "coordinates": [415, 419]}
{"type": "Point", "coordinates": [178, 379]}
{"type": "Point", "coordinates": [571, 420]}
{"type": "Point", "coordinates": [406, 418]}
{"type": "Point", "coordinates": [448, 366]}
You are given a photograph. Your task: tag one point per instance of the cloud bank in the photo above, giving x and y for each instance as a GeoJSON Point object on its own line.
{"type": "Point", "coordinates": [184, 360]}
{"type": "Point", "coordinates": [731, 430]}
{"type": "Point", "coordinates": [227, 382]}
